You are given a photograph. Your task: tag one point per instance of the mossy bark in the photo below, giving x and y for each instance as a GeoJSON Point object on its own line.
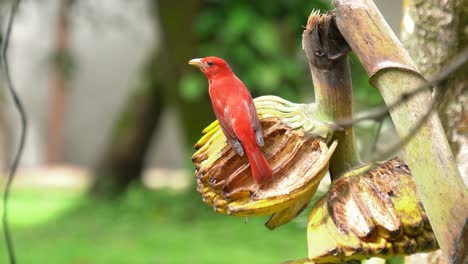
{"type": "Point", "coordinates": [434, 34]}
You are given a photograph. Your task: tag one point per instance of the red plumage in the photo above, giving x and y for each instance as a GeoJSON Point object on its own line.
{"type": "Point", "coordinates": [236, 113]}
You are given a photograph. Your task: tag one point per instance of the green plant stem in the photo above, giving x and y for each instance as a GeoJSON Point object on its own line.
{"type": "Point", "coordinates": [333, 98]}
{"type": "Point", "coordinates": [327, 54]}
{"type": "Point", "coordinates": [428, 154]}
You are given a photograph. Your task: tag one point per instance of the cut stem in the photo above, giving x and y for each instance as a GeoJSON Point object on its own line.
{"type": "Point", "coordinates": [327, 54]}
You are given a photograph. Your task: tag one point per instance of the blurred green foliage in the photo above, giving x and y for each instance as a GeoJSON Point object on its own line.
{"type": "Point", "coordinates": [65, 62]}
{"type": "Point", "coordinates": [262, 43]}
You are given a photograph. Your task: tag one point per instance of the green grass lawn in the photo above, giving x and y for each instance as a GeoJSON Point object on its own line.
{"type": "Point", "coordinates": [58, 226]}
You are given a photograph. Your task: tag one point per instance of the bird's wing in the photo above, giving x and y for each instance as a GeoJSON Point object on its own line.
{"type": "Point", "coordinates": [225, 123]}
{"type": "Point", "coordinates": [255, 122]}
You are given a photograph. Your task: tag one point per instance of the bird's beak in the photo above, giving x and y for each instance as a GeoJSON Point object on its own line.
{"type": "Point", "coordinates": [196, 62]}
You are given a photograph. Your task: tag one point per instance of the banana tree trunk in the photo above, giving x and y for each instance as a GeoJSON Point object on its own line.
{"type": "Point", "coordinates": [433, 35]}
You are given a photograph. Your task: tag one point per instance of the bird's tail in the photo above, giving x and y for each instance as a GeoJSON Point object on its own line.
{"type": "Point", "coordinates": [261, 170]}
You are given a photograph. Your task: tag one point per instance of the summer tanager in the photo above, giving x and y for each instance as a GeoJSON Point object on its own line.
{"type": "Point", "coordinates": [236, 113]}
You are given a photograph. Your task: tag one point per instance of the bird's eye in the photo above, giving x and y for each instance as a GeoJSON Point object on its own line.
{"type": "Point", "coordinates": [210, 63]}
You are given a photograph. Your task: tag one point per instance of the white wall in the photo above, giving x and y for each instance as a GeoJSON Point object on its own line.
{"type": "Point", "coordinates": [109, 41]}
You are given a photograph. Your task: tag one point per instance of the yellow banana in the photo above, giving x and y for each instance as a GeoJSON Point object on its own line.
{"type": "Point", "coordinates": [370, 212]}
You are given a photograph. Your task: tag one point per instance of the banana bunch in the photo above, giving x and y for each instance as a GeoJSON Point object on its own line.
{"type": "Point", "coordinates": [369, 212]}
{"type": "Point", "coordinates": [296, 149]}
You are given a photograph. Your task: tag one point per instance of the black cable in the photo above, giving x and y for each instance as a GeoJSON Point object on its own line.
{"type": "Point", "coordinates": [16, 101]}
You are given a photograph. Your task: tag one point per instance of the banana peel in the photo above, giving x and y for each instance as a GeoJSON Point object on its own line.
{"type": "Point", "coordinates": [297, 148]}
{"type": "Point", "coordinates": [373, 213]}
{"type": "Point", "coordinates": [286, 215]}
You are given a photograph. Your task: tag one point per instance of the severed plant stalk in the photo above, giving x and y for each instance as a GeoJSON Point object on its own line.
{"type": "Point", "coordinates": [327, 54]}
{"type": "Point", "coordinates": [392, 71]}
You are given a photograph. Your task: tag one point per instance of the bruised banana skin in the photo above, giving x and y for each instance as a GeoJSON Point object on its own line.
{"type": "Point", "coordinates": [296, 149]}
{"type": "Point", "coordinates": [374, 214]}
{"type": "Point", "coordinates": [286, 215]}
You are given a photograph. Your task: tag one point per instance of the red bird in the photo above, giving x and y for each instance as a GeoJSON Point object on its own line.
{"type": "Point", "coordinates": [236, 113]}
